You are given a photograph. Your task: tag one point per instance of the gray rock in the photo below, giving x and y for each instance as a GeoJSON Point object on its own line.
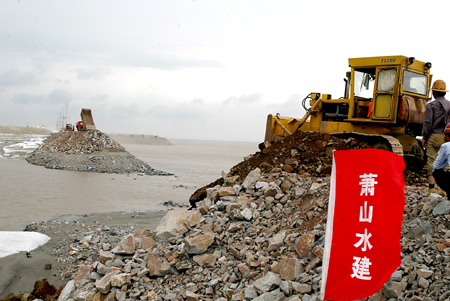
{"type": "Point", "coordinates": [286, 288]}
{"type": "Point", "coordinates": [250, 292]}
{"type": "Point", "coordinates": [442, 208]}
{"type": "Point", "coordinates": [247, 214]}
{"type": "Point", "coordinates": [191, 296]}
{"type": "Point", "coordinates": [424, 273]}
{"type": "Point", "coordinates": [251, 178]}
{"type": "Point", "coordinates": [81, 296]}
{"type": "Point", "coordinates": [213, 282]}
{"type": "Point", "coordinates": [68, 291]}
{"type": "Point", "coordinates": [118, 263]}
{"type": "Point", "coordinates": [262, 185]}
{"type": "Point", "coordinates": [275, 295]}
{"type": "Point", "coordinates": [270, 282]}
{"type": "Point", "coordinates": [199, 244]}
{"type": "Point", "coordinates": [391, 289]}
{"type": "Point", "coordinates": [276, 241]}
{"type": "Point", "coordinates": [220, 206]}
{"type": "Point", "coordinates": [127, 246]}
{"type": "Point", "coordinates": [103, 269]}
{"type": "Point", "coordinates": [302, 288]}
{"type": "Point", "coordinates": [424, 283]}
{"type": "Point", "coordinates": [121, 296]}
{"type": "Point", "coordinates": [397, 276]}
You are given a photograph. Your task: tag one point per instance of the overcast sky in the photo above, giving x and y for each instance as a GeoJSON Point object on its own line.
{"type": "Point", "coordinates": [209, 70]}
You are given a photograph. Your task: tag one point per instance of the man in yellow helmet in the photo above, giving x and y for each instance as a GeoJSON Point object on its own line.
{"type": "Point", "coordinates": [436, 118]}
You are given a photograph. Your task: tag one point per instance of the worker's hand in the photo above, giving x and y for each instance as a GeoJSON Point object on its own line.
{"type": "Point", "coordinates": [424, 143]}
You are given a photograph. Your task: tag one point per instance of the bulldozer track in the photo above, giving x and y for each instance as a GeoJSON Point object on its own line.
{"type": "Point", "coordinates": [393, 142]}
{"type": "Point", "coordinates": [396, 146]}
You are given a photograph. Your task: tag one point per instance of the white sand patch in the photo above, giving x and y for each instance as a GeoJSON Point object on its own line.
{"type": "Point", "coordinates": [17, 241]}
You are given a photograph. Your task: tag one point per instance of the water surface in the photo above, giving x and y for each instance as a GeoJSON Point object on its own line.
{"type": "Point", "coordinates": [30, 193]}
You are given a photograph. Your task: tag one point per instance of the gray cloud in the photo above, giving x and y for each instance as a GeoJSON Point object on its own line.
{"type": "Point", "coordinates": [40, 62]}
{"type": "Point", "coordinates": [99, 98]}
{"type": "Point", "coordinates": [16, 78]}
{"type": "Point", "coordinates": [196, 101]}
{"type": "Point", "coordinates": [94, 73]}
{"type": "Point", "coordinates": [194, 109]}
{"type": "Point", "coordinates": [292, 107]}
{"type": "Point", "coordinates": [56, 96]}
{"type": "Point", "coordinates": [64, 82]}
{"type": "Point", "coordinates": [165, 63]}
{"type": "Point", "coordinates": [121, 112]}
{"type": "Point", "coordinates": [243, 99]}
{"type": "Point", "coordinates": [60, 96]}
{"type": "Point", "coordinates": [25, 98]}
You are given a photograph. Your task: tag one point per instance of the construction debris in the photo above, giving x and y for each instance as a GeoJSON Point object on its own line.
{"type": "Point", "coordinates": [258, 235]}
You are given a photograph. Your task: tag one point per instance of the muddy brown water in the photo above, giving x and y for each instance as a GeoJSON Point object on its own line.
{"type": "Point", "coordinates": [30, 193]}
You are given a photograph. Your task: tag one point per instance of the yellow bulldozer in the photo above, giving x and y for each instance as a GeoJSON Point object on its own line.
{"type": "Point", "coordinates": [383, 105]}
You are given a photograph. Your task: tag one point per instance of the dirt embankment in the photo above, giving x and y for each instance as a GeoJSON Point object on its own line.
{"type": "Point", "coordinates": [17, 130]}
{"type": "Point", "coordinates": [140, 139]}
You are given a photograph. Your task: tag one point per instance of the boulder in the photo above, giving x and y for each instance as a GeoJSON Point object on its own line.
{"type": "Point", "coordinates": [172, 224]}
{"type": "Point", "coordinates": [199, 244]}
{"type": "Point", "coordinates": [269, 282]}
{"type": "Point", "coordinates": [251, 178]}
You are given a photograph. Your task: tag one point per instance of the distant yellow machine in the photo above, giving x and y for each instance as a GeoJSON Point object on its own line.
{"type": "Point", "coordinates": [384, 106]}
{"type": "Point", "coordinates": [87, 120]}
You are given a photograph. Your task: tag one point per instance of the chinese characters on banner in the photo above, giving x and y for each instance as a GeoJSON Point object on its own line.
{"type": "Point", "coordinates": [365, 212]}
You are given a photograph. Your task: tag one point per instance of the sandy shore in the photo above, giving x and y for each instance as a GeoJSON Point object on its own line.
{"type": "Point", "coordinates": [18, 273]}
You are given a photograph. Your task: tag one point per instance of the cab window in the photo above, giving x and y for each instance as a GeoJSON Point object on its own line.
{"type": "Point", "coordinates": [386, 80]}
{"type": "Point", "coordinates": [415, 82]}
{"type": "Point", "coordinates": [364, 84]}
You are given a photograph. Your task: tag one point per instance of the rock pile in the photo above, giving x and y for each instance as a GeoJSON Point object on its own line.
{"type": "Point", "coordinates": [262, 240]}
{"type": "Point", "coordinates": [299, 153]}
{"type": "Point", "coordinates": [84, 142]}
{"type": "Point", "coordinates": [88, 151]}
{"type": "Point", "coordinates": [260, 236]}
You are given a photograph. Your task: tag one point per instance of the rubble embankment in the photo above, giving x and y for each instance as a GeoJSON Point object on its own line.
{"type": "Point", "coordinates": [91, 151]}
{"type": "Point", "coordinates": [258, 235]}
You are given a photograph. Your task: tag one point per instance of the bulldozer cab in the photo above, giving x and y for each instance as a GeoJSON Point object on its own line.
{"type": "Point", "coordinates": [376, 85]}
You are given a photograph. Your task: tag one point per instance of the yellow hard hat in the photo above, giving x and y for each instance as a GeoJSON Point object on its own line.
{"type": "Point", "coordinates": [439, 86]}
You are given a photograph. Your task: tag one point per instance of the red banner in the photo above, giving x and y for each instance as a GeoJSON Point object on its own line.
{"type": "Point", "coordinates": [365, 212]}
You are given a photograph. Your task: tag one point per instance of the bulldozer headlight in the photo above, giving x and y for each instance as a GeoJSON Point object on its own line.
{"type": "Point", "coordinates": [315, 96]}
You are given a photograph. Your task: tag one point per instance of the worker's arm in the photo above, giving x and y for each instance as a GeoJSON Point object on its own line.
{"type": "Point", "coordinates": [442, 157]}
{"type": "Point", "coordinates": [427, 123]}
